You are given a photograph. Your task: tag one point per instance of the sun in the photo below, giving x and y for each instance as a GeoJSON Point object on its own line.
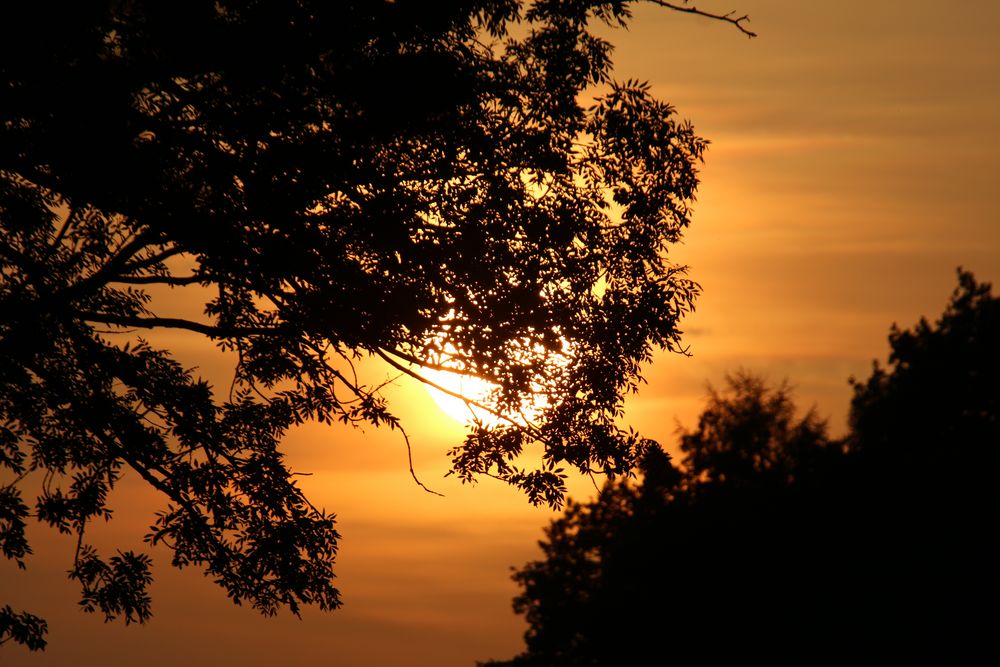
{"type": "Point", "coordinates": [476, 390]}
{"type": "Point", "coordinates": [463, 397]}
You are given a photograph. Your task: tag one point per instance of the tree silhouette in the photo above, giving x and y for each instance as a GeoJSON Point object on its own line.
{"type": "Point", "coordinates": [750, 436]}
{"type": "Point", "coordinates": [772, 541]}
{"type": "Point", "coordinates": [939, 389]}
{"type": "Point", "coordinates": [404, 180]}
{"type": "Point", "coordinates": [688, 563]}
{"type": "Point", "coordinates": [925, 432]}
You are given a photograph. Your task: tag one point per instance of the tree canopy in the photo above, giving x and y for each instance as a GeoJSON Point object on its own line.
{"type": "Point", "coordinates": [424, 183]}
{"type": "Point", "coordinates": [771, 540]}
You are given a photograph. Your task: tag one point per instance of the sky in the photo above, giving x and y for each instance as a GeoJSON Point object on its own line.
{"type": "Point", "coordinates": [854, 165]}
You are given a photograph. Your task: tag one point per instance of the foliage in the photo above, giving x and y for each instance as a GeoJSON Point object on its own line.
{"type": "Point", "coordinates": [418, 182]}
{"type": "Point", "coordinates": [940, 385]}
{"type": "Point", "coordinates": [772, 541]}
{"type": "Point", "coordinates": [658, 568]}
{"type": "Point", "coordinates": [750, 436]}
{"type": "Point", "coordinates": [22, 628]}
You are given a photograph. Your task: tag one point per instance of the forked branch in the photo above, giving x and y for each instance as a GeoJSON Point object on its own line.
{"type": "Point", "coordinates": [729, 17]}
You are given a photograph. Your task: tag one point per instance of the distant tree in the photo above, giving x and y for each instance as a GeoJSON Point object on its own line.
{"type": "Point", "coordinates": [751, 436]}
{"type": "Point", "coordinates": [404, 180]}
{"type": "Point", "coordinates": [772, 541]}
{"type": "Point", "coordinates": [940, 390]}
{"type": "Point", "coordinates": [691, 563]}
{"type": "Point", "coordinates": [925, 436]}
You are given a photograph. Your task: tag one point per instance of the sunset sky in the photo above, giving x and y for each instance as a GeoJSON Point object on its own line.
{"type": "Point", "coordinates": [854, 164]}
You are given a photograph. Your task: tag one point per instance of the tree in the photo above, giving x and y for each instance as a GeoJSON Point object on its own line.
{"type": "Point", "coordinates": [697, 563]}
{"type": "Point", "coordinates": [925, 431]}
{"type": "Point", "coordinates": [939, 390]}
{"type": "Point", "coordinates": [750, 436]}
{"type": "Point", "coordinates": [773, 541]}
{"type": "Point", "coordinates": [418, 183]}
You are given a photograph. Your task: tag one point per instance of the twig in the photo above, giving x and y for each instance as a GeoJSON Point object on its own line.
{"type": "Point", "coordinates": [728, 17]}
{"type": "Point", "coordinates": [409, 456]}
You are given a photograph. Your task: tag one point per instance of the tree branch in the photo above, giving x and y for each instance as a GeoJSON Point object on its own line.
{"type": "Point", "coordinates": [381, 352]}
{"type": "Point", "coordinates": [176, 323]}
{"type": "Point", "coordinates": [728, 17]}
{"type": "Point", "coordinates": [158, 280]}
{"type": "Point", "coordinates": [409, 456]}
{"type": "Point", "coordinates": [423, 363]}
{"type": "Point", "coordinates": [65, 227]}
{"type": "Point", "coordinates": [118, 260]}
{"type": "Point", "coordinates": [120, 256]}
{"type": "Point", "coordinates": [140, 264]}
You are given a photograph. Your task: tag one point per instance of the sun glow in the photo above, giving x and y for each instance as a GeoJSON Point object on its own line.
{"type": "Point", "coordinates": [466, 398]}
{"type": "Point", "coordinates": [463, 410]}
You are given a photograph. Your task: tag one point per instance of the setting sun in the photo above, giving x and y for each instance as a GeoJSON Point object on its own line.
{"type": "Point", "coordinates": [475, 390]}
{"type": "Point", "coordinates": [467, 398]}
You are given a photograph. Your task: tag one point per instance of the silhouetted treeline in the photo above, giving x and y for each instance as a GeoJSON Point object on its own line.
{"type": "Point", "coordinates": [772, 541]}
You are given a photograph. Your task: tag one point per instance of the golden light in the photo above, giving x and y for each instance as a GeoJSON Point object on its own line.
{"type": "Point", "coordinates": [476, 390]}
{"type": "Point", "coordinates": [466, 398]}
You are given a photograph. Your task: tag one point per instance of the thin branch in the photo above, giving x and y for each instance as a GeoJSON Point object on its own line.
{"type": "Point", "coordinates": [67, 223]}
{"type": "Point", "coordinates": [409, 456]}
{"type": "Point", "coordinates": [423, 363]}
{"type": "Point", "coordinates": [236, 370]}
{"type": "Point", "coordinates": [590, 474]}
{"type": "Point", "coordinates": [114, 332]}
{"type": "Point", "coordinates": [728, 17]}
{"type": "Point", "coordinates": [140, 264]}
{"type": "Point", "coordinates": [468, 401]}
{"type": "Point", "coordinates": [158, 280]}
{"type": "Point", "coordinates": [79, 544]}
{"type": "Point", "coordinates": [355, 387]}
{"type": "Point", "coordinates": [18, 479]}
{"type": "Point", "coordinates": [176, 323]}
{"type": "Point", "coordinates": [119, 259]}
{"type": "Point", "coordinates": [253, 387]}
{"type": "Point", "coordinates": [381, 352]}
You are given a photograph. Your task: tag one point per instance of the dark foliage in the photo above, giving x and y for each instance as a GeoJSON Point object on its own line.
{"type": "Point", "coordinates": [750, 437]}
{"type": "Point", "coordinates": [941, 389]}
{"type": "Point", "coordinates": [335, 180]}
{"type": "Point", "coordinates": [772, 542]}
{"type": "Point", "coordinates": [22, 628]}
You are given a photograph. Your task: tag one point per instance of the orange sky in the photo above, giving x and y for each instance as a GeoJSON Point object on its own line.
{"type": "Point", "coordinates": [855, 164]}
